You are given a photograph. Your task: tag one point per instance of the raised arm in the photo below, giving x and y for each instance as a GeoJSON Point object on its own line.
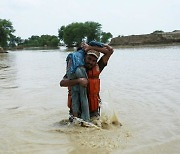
{"type": "Point", "coordinates": [107, 51]}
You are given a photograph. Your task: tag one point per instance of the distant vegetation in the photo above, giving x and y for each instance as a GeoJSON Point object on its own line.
{"type": "Point", "coordinates": [6, 33]}
{"type": "Point", "coordinates": [41, 41]}
{"type": "Point", "coordinates": [73, 34]}
{"type": "Point", "coordinates": [157, 37]}
{"type": "Point", "coordinates": [157, 31]}
{"type": "Point", "coordinates": [9, 40]}
{"type": "Point", "coordinates": [70, 35]}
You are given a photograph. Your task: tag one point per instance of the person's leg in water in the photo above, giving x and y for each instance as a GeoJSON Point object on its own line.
{"type": "Point", "coordinates": [74, 91]}
{"type": "Point", "coordinates": [75, 96]}
{"type": "Point", "coordinates": [80, 105]}
{"type": "Point", "coordinates": [84, 105]}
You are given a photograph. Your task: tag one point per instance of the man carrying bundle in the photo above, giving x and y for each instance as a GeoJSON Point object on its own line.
{"type": "Point", "coordinates": [82, 79]}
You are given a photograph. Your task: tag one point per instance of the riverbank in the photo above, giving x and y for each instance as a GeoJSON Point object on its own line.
{"type": "Point", "coordinates": [153, 39]}
{"type": "Point", "coordinates": [146, 46]}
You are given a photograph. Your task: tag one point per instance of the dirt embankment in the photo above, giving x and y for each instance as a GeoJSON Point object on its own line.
{"type": "Point", "coordinates": [147, 39]}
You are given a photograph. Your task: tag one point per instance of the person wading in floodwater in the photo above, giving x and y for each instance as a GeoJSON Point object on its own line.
{"type": "Point", "coordinates": [82, 79]}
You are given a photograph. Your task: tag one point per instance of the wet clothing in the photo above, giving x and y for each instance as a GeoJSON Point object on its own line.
{"type": "Point", "coordinates": [74, 60]}
{"type": "Point", "coordinates": [75, 70]}
{"type": "Point", "coordinates": [80, 96]}
{"type": "Point", "coordinates": [80, 92]}
{"type": "Point", "coordinates": [92, 94]}
{"type": "Point", "coordinates": [93, 88]}
{"type": "Point", "coordinates": [95, 43]}
{"type": "Point", "coordinates": [79, 100]}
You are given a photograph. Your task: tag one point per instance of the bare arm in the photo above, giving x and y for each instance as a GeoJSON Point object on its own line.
{"type": "Point", "coordinates": [107, 51]}
{"type": "Point", "coordinates": [67, 83]}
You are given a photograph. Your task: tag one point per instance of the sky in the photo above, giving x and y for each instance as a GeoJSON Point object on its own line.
{"type": "Point", "coordinates": [119, 17]}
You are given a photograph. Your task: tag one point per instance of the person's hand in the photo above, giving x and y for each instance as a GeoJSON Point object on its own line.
{"type": "Point", "coordinates": [85, 46]}
{"type": "Point", "coordinates": [82, 44]}
{"type": "Point", "coordinates": [83, 82]}
{"type": "Point", "coordinates": [108, 47]}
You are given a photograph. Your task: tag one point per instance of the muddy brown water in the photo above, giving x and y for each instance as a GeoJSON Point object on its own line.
{"type": "Point", "coordinates": [140, 85]}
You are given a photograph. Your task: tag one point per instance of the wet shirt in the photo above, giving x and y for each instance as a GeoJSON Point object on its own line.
{"type": "Point", "coordinates": [75, 60]}
{"type": "Point", "coordinates": [100, 63]}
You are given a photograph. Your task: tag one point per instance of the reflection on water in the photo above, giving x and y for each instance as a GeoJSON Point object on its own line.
{"type": "Point", "coordinates": [140, 85]}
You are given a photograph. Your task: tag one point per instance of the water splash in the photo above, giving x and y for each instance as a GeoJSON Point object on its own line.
{"type": "Point", "coordinates": [108, 117]}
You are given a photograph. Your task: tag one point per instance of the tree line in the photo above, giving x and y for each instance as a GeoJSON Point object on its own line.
{"type": "Point", "coordinates": [70, 35]}
{"type": "Point", "coordinates": [73, 34]}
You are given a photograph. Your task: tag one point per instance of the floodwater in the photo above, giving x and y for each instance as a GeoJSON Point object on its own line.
{"type": "Point", "coordinates": [140, 85]}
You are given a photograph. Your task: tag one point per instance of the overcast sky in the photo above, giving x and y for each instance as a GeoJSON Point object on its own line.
{"type": "Point", "coordinates": [120, 17]}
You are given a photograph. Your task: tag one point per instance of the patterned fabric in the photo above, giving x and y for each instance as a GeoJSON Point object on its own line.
{"type": "Point", "coordinates": [77, 59]}
{"type": "Point", "coordinates": [95, 43]}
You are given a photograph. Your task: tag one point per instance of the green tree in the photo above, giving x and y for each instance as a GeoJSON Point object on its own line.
{"type": "Point", "coordinates": [42, 41]}
{"type": "Point", "coordinates": [68, 36]}
{"type": "Point", "coordinates": [12, 41]}
{"type": "Point", "coordinates": [105, 37]}
{"type": "Point", "coordinates": [157, 31]}
{"type": "Point", "coordinates": [54, 41]}
{"type": "Point", "coordinates": [18, 41]}
{"type": "Point", "coordinates": [33, 41]}
{"type": "Point", "coordinates": [93, 31]}
{"type": "Point", "coordinates": [74, 33]}
{"type": "Point", "coordinates": [61, 32]}
{"type": "Point", "coordinates": [6, 32]}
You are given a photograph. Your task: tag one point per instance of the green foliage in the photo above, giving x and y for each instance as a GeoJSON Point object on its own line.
{"type": "Point", "coordinates": [6, 32]}
{"type": "Point", "coordinates": [41, 41]}
{"type": "Point", "coordinates": [74, 33]}
{"type": "Point", "coordinates": [157, 31]}
{"type": "Point", "coordinates": [61, 32]}
{"type": "Point", "coordinates": [105, 37]}
{"type": "Point", "coordinates": [12, 41]}
{"type": "Point", "coordinates": [7, 39]}
{"type": "Point", "coordinates": [93, 31]}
